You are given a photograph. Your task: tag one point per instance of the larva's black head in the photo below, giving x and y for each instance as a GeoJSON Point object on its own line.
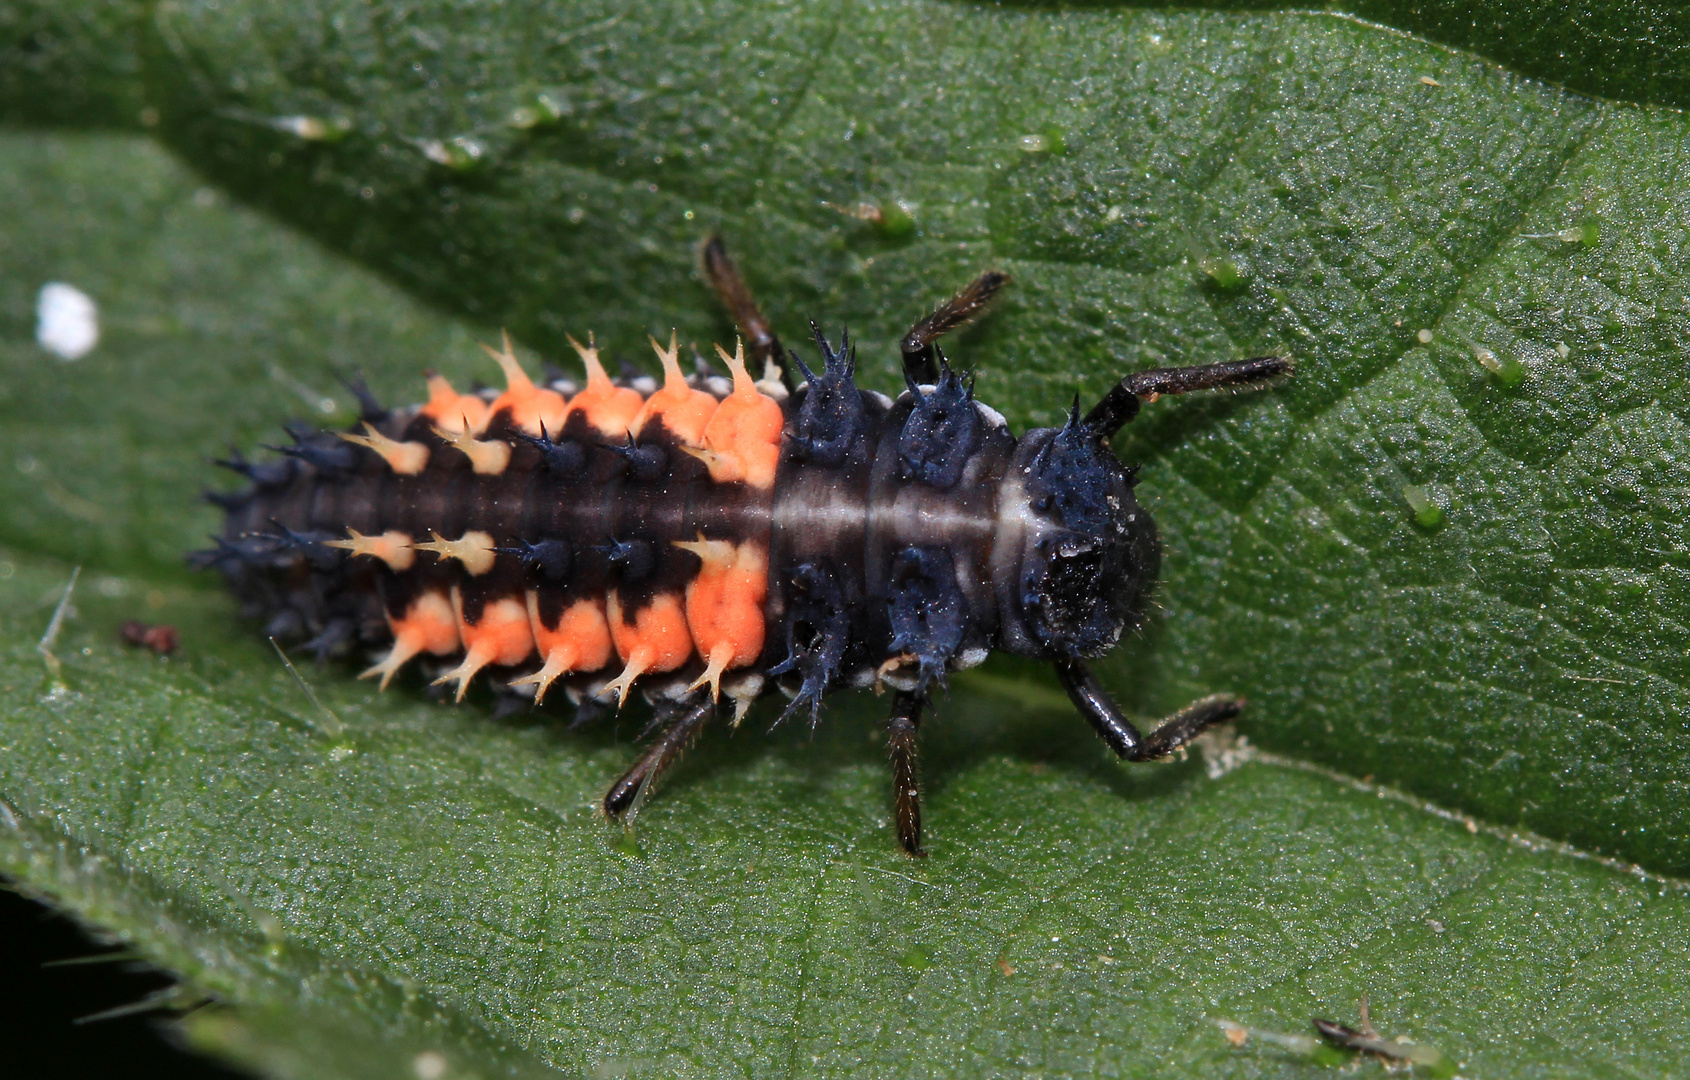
{"type": "Point", "coordinates": [1077, 554]}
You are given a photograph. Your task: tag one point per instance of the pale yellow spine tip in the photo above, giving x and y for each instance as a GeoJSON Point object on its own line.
{"type": "Point", "coordinates": [589, 354]}
{"type": "Point", "coordinates": [637, 665]}
{"type": "Point", "coordinates": [397, 657]}
{"type": "Point", "coordinates": [713, 673]}
{"type": "Point", "coordinates": [404, 458]}
{"type": "Point", "coordinates": [715, 553]}
{"type": "Point", "coordinates": [487, 457]}
{"type": "Point", "coordinates": [474, 549]}
{"type": "Point", "coordinates": [557, 663]}
{"type": "Point", "coordinates": [515, 377]}
{"type": "Point", "coordinates": [439, 390]}
{"type": "Point", "coordinates": [709, 457]}
{"type": "Point", "coordinates": [474, 660]}
{"type": "Point", "coordinates": [743, 382]}
{"type": "Point", "coordinates": [673, 376]}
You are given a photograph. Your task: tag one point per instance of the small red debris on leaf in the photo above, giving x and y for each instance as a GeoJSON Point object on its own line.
{"type": "Point", "coordinates": [160, 639]}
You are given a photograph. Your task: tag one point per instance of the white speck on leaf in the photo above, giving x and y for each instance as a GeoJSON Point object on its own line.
{"type": "Point", "coordinates": [429, 1065]}
{"type": "Point", "coordinates": [67, 321]}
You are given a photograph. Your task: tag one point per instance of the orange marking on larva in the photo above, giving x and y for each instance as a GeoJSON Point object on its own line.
{"type": "Point", "coordinates": [685, 412]}
{"type": "Point", "coordinates": [451, 410]}
{"type": "Point", "coordinates": [428, 625]}
{"type": "Point", "coordinates": [657, 640]}
{"type": "Point", "coordinates": [487, 457]}
{"type": "Point", "coordinates": [609, 408]}
{"type": "Point", "coordinates": [404, 458]}
{"type": "Point", "coordinates": [391, 547]}
{"type": "Point", "coordinates": [474, 549]}
{"type": "Point", "coordinates": [500, 636]}
{"type": "Point", "coordinates": [744, 435]}
{"type": "Point", "coordinates": [579, 642]}
{"type": "Point", "coordinates": [725, 606]}
{"type": "Point", "coordinates": [529, 406]}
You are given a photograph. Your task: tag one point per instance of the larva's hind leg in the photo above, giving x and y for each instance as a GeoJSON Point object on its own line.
{"type": "Point", "coordinates": [901, 729]}
{"type": "Point", "coordinates": [679, 733]}
{"type": "Point", "coordinates": [762, 346]}
{"type": "Point", "coordinates": [1118, 407]}
{"type": "Point", "coordinates": [920, 357]}
{"type": "Point", "coordinates": [1123, 737]}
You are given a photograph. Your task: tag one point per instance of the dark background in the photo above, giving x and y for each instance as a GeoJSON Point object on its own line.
{"type": "Point", "coordinates": [40, 1006]}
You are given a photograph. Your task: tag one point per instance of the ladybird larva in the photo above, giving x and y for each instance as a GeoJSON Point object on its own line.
{"type": "Point", "coordinates": [708, 540]}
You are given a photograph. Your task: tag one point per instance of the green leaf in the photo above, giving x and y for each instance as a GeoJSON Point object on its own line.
{"type": "Point", "coordinates": [1166, 188]}
{"type": "Point", "coordinates": [1450, 560]}
{"type": "Point", "coordinates": [74, 64]}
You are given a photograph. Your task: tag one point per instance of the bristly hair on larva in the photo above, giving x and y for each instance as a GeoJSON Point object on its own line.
{"type": "Point", "coordinates": [707, 540]}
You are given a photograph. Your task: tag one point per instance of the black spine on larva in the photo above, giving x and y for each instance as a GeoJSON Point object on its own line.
{"type": "Point", "coordinates": [941, 434]}
{"type": "Point", "coordinates": [830, 426]}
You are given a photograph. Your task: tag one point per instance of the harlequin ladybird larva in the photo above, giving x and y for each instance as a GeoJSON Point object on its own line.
{"type": "Point", "coordinates": [717, 538]}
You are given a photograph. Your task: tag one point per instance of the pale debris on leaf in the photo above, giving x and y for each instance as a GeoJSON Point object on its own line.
{"type": "Point", "coordinates": [67, 321]}
{"type": "Point", "coordinates": [1223, 750]}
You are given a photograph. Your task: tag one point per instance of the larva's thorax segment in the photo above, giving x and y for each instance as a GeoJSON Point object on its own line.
{"type": "Point", "coordinates": [882, 564]}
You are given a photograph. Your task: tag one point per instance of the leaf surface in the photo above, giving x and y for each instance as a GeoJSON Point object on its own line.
{"type": "Point", "coordinates": [1166, 188]}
